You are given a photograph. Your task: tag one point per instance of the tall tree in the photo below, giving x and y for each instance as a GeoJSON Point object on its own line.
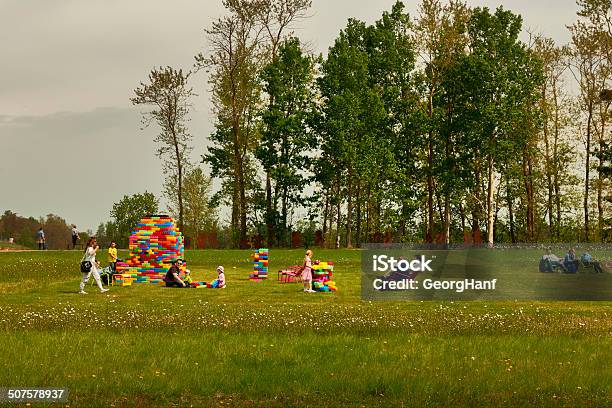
{"type": "Point", "coordinates": [286, 139]}
{"type": "Point", "coordinates": [388, 150]}
{"type": "Point", "coordinates": [501, 78]}
{"type": "Point", "coordinates": [556, 146]}
{"type": "Point", "coordinates": [277, 18]}
{"type": "Point", "coordinates": [441, 35]}
{"type": "Point", "coordinates": [236, 43]}
{"type": "Point", "coordinates": [345, 90]}
{"type": "Point", "coordinates": [169, 95]}
{"type": "Point", "coordinates": [591, 67]}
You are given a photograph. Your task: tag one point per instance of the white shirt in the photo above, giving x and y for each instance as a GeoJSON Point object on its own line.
{"type": "Point", "coordinates": [90, 255]}
{"type": "Point", "coordinates": [552, 258]}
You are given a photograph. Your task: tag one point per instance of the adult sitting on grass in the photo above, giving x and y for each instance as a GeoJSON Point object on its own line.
{"type": "Point", "coordinates": [570, 261]}
{"type": "Point", "coordinates": [588, 261]}
{"type": "Point", "coordinates": [172, 277]}
{"type": "Point", "coordinates": [550, 262]}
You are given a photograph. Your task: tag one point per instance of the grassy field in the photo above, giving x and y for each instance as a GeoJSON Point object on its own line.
{"type": "Point", "coordinates": [5, 245]}
{"type": "Point", "coordinates": [270, 344]}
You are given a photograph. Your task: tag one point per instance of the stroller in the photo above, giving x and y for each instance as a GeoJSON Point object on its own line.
{"type": "Point", "coordinates": [106, 275]}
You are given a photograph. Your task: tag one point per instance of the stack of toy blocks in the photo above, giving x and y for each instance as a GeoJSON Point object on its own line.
{"type": "Point", "coordinates": [154, 244]}
{"type": "Point", "coordinates": [322, 273]}
{"type": "Point", "coordinates": [261, 258]}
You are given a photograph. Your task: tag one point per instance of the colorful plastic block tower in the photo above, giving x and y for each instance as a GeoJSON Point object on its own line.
{"type": "Point", "coordinates": [322, 273]}
{"type": "Point", "coordinates": [154, 243]}
{"type": "Point", "coordinates": [260, 257]}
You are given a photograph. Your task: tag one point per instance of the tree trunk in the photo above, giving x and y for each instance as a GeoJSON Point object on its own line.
{"type": "Point", "coordinates": [368, 214]}
{"type": "Point", "coordinates": [402, 223]}
{"type": "Point", "coordinates": [555, 169]}
{"type": "Point", "coordinates": [490, 192]}
{"type": "Point", "coordinates": [430, 181]}
{"type": "Point", "coordinates": [325, 212]}
{"type": "Point", "coordinates": [349, 211]}
{"type": "Point", "coordinates": [243, 210]}
{"type": "Point", "coordinates": [600, 208]}
{"type": "Point", "coordinates": [528, 183]}
{"type": "Point", "coordinates": [447, 219]}
{"type": "Point", "coordinates": [447, 190]}
{"type": "Point", "coordinates": [476, 203]}
{"type": "Point", "coordinates": [430, 191]}
{"type": "Point", "coordinates": [603, 114]}
{"type": "Point", "coordinates": [358, 199]}
{"type": "Point", "coordinates": [600, 179]}
{"type": "Point", "coordinates": [235, 215]}
{"type": "Point", "coordinates": [439, 203]}
{"type": "Point", "coordinates": [285, 230]}
{"type": "Point", "coordinates": [378, 215]}
{"type": "Point", "coordinates": [337, 240]}
{"type": "Point", "coordinates": [548, 168]}
{"type": "Point", "coordinates": [241, 195]}
{"type": "Point", "coordinates": [510, 211]}
{"type": "Point", "coordinates": [269, 213]}
{"type": "Point", "coordinates": [331, 226]}
{"type": "Point", "coordinates": [462, 215]}
{"type": "Point", "coordinates": [587, 172]}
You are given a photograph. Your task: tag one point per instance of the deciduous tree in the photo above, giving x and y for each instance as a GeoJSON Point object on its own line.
{"type": "Point", "coordinates": [169, 94]}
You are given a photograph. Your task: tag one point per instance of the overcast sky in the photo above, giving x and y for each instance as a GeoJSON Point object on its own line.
{"type": "Point", "coordinates": [71, 143]}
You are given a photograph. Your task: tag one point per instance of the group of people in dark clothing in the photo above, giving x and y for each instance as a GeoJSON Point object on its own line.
{"type": "Point", "coordinates": [570, 262]}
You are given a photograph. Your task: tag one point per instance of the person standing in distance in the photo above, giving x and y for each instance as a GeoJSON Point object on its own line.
{"type": "Point", "coordinates": [75, 236]}
{"type": "Point", "coordinates": [40, 238]}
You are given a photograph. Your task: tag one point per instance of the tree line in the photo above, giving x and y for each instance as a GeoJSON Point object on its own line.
{"type": "Point", "coordinates": [23, 230]}
{"type": "Point", "coordinates": [439, 127]}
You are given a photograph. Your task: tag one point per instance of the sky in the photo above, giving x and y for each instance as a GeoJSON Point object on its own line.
{"type": "Point", "coordinates": [71, 144]}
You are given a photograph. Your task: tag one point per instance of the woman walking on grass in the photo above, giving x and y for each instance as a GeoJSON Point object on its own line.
{"type": "Point", "coordinates": [90, 255]}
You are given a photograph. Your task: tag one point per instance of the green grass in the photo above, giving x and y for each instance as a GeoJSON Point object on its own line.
{"type": "Point", "coordinates": [269, 344]}
{"type": "Point", "coordinates": [12, 246]}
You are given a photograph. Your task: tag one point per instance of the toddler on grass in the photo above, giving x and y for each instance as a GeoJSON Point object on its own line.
{"type": "Point", "coordinates": [220, 281]}
{"type": "Point", "coordinates": [307, 272]}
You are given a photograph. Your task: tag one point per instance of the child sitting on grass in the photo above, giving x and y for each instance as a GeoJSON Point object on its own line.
{"type": "Point", "coordinates": [220, 281]}
{"type": "Point", "coordinates": [187, 278]}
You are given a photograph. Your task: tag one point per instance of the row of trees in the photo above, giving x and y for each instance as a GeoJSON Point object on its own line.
{"type": "Point", "coordinates": [442, 127]}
